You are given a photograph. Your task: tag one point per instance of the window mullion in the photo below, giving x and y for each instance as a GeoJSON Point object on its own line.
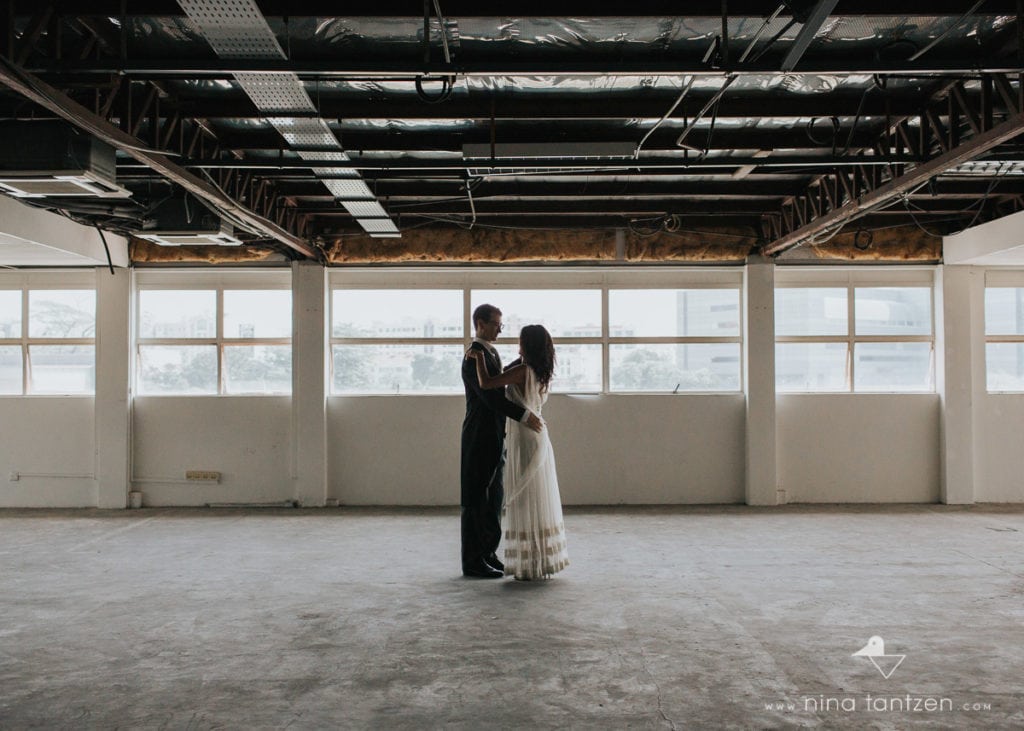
{"type": "Point", "coordinates": [851, 334]}
{"type": "Point", "coordinates": [26, 363]}
{"type": "Point", "coordinates": [219, 318]}
{"type": "Point", "coordinates": [605, 341]}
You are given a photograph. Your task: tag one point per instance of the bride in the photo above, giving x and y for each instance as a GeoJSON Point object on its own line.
{"type": "Point", "coordinates": [534, 533]}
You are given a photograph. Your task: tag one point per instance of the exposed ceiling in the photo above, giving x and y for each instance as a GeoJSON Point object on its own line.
{"type": "Point", "coordinates": [771, 127]}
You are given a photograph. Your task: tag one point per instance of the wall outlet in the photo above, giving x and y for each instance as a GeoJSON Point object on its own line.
{"type": "Point", "coordinates": [13, 476]}
{"type": "Point", "coordinates": [202, 475]}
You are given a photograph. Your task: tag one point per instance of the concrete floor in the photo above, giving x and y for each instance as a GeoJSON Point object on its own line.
{"type": "Point", "coordinates": [703, 617]}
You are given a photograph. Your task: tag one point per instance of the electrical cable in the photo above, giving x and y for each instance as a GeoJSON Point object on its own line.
{"type": "Point", "coordinates": [110, 262]}
{"type": "Point", "coordinates": [768, 21]}
{"type": "Point", "coordinates": [774, 38]}
{"type": "Point", "coordinates": [686, 88]}
{"type": "Point", "coordinates": [447, 82]}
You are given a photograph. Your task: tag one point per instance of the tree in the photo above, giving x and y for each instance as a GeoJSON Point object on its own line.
{"type": "Point", "coordinates": [645, 370]}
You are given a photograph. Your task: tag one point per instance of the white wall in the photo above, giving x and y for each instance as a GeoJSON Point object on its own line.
{"type": "Point", "coordinates": [999, 427]}
{"type": "Point", "coordinates": [247, 439]}
{"type": "Point", "coordinates": [404, 450]}
{"type": "Point", "coordinates": [610, 449]}
{"type": "Point", "coordinates": [853, 448]}
{"type": "Point", "coordinates": [50, 435]}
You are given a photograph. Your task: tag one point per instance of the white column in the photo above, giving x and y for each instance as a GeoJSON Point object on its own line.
{"type": "Point", "coordinates": [959, 331]}
{"type": "Point", "coordinates": [309, 383]}
{"type": "Point", "coordinates": [759, 369]}
{"type": "Point", "coordinates": [113, 384]}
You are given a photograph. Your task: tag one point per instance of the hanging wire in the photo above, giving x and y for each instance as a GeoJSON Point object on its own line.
{"type": "Point", "coordinates": [765, 24]}
{"type": "Point", "coordinates": [110, 262]}
{"type": "Point", "coordinates": [447, 82]}
{"type": "Point", "coordinates": [686, 88]}
{"type": "Point", "coordinates": [710, 103]}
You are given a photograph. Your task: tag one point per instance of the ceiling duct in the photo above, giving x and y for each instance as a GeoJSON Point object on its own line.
{"type": "Point", "coordinates": [186, 222]}
{"type": "Point", "coordinates": [55, 160]}
{"type": "Point", "coordinates": [553, 150]}
{"type": "Point", "coordinates": [236, 29]}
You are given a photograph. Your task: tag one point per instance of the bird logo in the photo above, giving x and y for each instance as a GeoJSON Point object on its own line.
{"type": "Point", "coordinates": [875, 652]}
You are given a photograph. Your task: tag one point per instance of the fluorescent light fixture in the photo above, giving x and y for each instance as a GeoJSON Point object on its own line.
{"type": "Point", "coordinates": [43, 186]}
{"type": "Point", "coordinates": [365, 209]}
{"type": "Point", "coordinates": [378, 225]}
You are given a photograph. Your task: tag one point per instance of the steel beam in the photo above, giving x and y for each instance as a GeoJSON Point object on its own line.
{"type": "Point", "coordinates": [390, 68]}
{"type": "Point", "coordinates": [890, 191]}
{"type": "Point", "coordinates": [660, 9]}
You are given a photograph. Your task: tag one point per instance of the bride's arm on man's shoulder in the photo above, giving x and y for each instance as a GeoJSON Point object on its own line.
{"type": "Point", "coordinates": [515, 375]}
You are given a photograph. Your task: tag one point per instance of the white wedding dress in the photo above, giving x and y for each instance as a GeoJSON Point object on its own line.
{"type": "Point", "coordinates": [534, 532]}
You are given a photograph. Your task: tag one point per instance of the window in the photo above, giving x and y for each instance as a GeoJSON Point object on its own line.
{"type": "Point", "coordinates": [572, 316]}
{"type": "Point", "coordinates": [861, 335]}
{"type": "Point", "coordinates": [1004, 338]}
{"type": "Point", "coordinates": [674, 339]}
{"type": "Point", "coordinates": [396, 341]}
{"type": "Point", "coordinates": [224, 335]}
{"type": "Point", "coordinates": [622, 332]}
{"type": "Point", "coordinates": [48, 339]}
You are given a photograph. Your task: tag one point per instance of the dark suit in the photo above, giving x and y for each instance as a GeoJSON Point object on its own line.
{"type": "Point", "coordinates": [483, 457]}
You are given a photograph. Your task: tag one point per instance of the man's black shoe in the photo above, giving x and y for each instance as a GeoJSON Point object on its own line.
{"type": "Point", "coordinates": [492, 560]}
{"type": "Point", "coordinates": [482, 571]}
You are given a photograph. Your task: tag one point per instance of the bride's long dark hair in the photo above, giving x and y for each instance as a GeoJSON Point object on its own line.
{"type": "Point", "coordinates": [538, 353]}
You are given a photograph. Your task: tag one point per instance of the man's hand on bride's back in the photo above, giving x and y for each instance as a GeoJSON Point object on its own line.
{"type": "Point", "coordinates": [535, 422]}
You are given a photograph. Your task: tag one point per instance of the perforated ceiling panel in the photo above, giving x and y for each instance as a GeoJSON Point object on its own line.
{"type": "Point", "coordinates": [237, 29]}
{"type": "Point", "coordinates": [277, 93]}
{"type": "Point", "coordinates": [365, 209]}
{"type": "Point", "coordinates": [234, 28]}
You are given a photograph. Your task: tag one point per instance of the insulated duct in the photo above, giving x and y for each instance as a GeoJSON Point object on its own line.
{"type": "Point", "coordinates": [236, 29]}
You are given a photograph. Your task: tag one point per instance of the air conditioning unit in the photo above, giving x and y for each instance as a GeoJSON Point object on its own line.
{"type": "Point", "coordinates": [54, 160]}
{"type": "Point", "coordinates": [186, 222]}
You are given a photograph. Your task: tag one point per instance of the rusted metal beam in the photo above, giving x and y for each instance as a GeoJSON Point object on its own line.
{"type": "Point", "coordinates": [888, 192]}
{"type": "Point", "coordinates": [58, 103]}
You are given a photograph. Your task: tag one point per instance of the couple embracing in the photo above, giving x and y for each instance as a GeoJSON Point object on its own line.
{"type": "Point", "coordinates": [519, 484]}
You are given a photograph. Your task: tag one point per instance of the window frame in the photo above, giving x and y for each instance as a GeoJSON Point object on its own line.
{"type": "Point", "coordinates": [1003, 279]}
{"type": "Point", "coordinates": [852, 280]}
{"type": "Point", "coordinates": [44, 281]}
{"type": "Point", "coordinates": [564, 278]}
{"type": "Point", "coordinates": [220, 282]}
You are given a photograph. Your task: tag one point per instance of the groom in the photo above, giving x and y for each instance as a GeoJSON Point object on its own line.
{"type": "Point", "coordinates": [483, 452]}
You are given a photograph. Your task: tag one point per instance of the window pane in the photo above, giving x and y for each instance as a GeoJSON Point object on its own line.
{"type": "Point", "coordinates": [395, 369]}
{"type": "Point", "coordinates": [10, 369]}
{"type": "Point", "coordinates": [577, 367]}
{"type": "Point", "coordinates": [892, 367]}
{"type": "Point", "coordinates": [62, 313]}
{"type": "Point", "coordinates": [63, 369]}
{"type": "Point", "coordinates": [178, 313]}
{"type": "Point", "coordinates": [689, 367]}
{"type": "Point", "coordinates": [674, 312]}
{"type": "Point", "coordinates": [565, 313]}
{"type": "Point", "coordinates": [258, 369]}
{"type": "Point", "coordinates": [177, 369]}
{"type": "Point", "coordinates": [811, 367]}
{"type": "Point", "coordinates": [10, 314]}
{"type": "Point", "coordinates": [810, 311]}
{"type": "Point", "coordinates": [893, 310]}
{"type": "Point", "coordinates": [390, 313]}
{"type": "Point", "coordinates": [1004, 311]}
{"type": "Point", "coordinates": [263, 313]}
{"type": "Point", "coordinates": [1004, 366]}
